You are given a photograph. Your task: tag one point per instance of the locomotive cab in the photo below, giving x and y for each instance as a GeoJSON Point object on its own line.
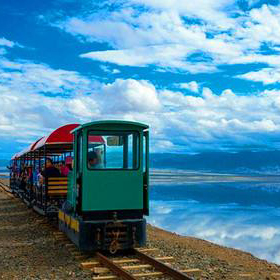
{"type": "Point", "coordinates": [108, 189]}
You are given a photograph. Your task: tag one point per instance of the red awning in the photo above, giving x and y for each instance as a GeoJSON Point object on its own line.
{"type": "Point", "coordinates": [61, 135]}
{"type": "Point", "coordinates": [96, 139]}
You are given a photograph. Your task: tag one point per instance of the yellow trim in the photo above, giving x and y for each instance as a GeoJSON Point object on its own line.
{"type": "Point", "coordinates": [61, 215]}
{"type": "Point", "coordinates": [59, 183]}
{"type": "Point", "coordinates": [74, 224]}
{"type": "Point", "coordinates": [57, 192]}
{"type": "Point", "coordinates": [57, 179]}
{"type": "Point", "coordinates": [69, 221]}
{"type": "Point", "coordinates": [57, 188]}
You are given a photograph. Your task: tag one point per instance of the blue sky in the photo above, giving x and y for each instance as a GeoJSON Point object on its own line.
{"type": "Point", "coordinates": [203, 74]}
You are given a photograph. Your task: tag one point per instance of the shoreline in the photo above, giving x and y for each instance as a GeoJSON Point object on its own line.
{"type": "Point", "coordinates": [215, 261]}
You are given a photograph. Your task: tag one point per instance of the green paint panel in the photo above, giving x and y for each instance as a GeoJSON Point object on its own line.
{"type": "Point", "coordinates": [112, 190]}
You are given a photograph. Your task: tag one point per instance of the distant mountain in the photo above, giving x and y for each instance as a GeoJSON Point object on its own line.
{"type": "Point", "coordinates": [266, 162]}
{"type": "Point", "coordinates": [241, 162]}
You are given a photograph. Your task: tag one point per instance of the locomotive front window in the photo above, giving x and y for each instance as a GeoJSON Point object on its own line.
{"type": "Point", "coordinates": [115, 150]}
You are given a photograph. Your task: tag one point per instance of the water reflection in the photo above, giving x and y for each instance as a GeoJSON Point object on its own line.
{"type": "Point", "coordinates": [242, 215]}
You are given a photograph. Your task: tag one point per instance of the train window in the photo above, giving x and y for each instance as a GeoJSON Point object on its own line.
{"type": "Point", "coordinates": [116, 150]}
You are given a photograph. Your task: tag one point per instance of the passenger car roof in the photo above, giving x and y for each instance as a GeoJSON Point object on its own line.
{"type": "Point", "coordinates": [61, 135]}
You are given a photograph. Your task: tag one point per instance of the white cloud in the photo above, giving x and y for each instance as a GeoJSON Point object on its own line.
{"type": "Point", "coordinates": [266, 76]}
{"type": "Point", "coordinates": [32, 115]}
{"type": "Point", "coordinates": [177, 99]}
{"type": "Point", "coordinates": [192, 86]}
{"type": "Point", "coordinates": [33, 99]}
{"type": "Point", "coordinates": [84, 107]}
{"type": "Point", "coordinates": [212, 11]}
{"type": "Point", "coordinates": [156, 37]}
{"type": "Point", "coordinates": [116, 71]}
{"type": "Point", "coordinates": [261, 25]}
{"type": "Point", "coordinates": [167, 56]}
{"type": "Point", "coordinates": [160, 35]}
{"type": "Point", "coordinates": [108, 69]}
{"type": "Point", "coordinates": [33, 77]}
{"type": "Point", "coordinates": [163, 146]}
{"type": "Point", "coordinates": [179, 122]}
{"type": "Point", "coordinates": [125, 96]}
{"type": "Point", "coordinates": [6, 43]}
{"type": "Point", "coordinates": [273, 60]}
{"type": "Point", "coordinates": [54, 97]}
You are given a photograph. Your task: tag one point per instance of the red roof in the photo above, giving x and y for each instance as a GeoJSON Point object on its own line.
{"type": "Point", "coordinates": [61, 135]}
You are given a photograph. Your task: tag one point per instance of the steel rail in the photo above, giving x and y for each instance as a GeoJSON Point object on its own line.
{"type": "Point", "coordinates": [5, 187]}
{"type": "Point", "coordinates": [175, 274]}
{"type": "Point", "coordinates": [114, 267]}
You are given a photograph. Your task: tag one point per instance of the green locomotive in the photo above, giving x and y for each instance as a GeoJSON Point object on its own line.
{"type": "Point", "coordinates": [107, 194]}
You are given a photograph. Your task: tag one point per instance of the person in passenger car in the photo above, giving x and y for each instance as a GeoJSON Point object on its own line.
{"type": "Point", "coordinates": [93, 162]}
{"type": "Point", "coordinates": [50, 170]}
{"type": "Point", "coordinates": [64, 170]}
{"type": "Point", "coordinates": [23, 177]}
{"type": "Point", "coordinates": [69, 163]}
{"type": "Point", "coordinates": [29, 175]}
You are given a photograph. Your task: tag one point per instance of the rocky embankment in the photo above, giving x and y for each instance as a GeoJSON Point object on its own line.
{"type": "Point", "coordinates": [28, 250]}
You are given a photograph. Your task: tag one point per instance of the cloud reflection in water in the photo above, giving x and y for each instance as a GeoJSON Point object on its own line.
{"type": "Point", "coordinates": [245, 216]}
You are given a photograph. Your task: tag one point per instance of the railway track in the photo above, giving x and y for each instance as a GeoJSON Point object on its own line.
{"type": "Point", "coordinates": [136, 264]}
{"type": "Point", "coordinates": [147, 262]}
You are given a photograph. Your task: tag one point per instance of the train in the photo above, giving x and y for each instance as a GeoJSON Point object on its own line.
{"type": "Point", "coordinates": [94, 178]}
